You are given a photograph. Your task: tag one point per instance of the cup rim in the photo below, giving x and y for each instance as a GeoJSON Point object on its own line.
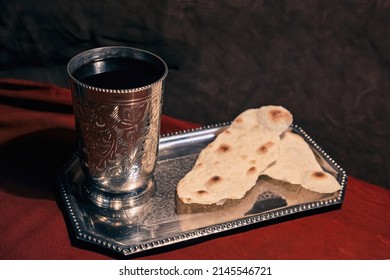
{"type": "Point", "coordinates": [110, 90]}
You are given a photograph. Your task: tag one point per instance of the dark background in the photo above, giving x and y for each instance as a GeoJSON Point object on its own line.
{"type": "Point", "coordinates": [328, 62]}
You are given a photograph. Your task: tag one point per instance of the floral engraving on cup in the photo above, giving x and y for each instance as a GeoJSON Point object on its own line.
{"type": "Point", "coordinates": [116, 136]}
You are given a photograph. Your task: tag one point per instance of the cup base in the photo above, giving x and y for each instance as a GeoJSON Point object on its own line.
{"type": "Point", "coordinates": [119, 201]}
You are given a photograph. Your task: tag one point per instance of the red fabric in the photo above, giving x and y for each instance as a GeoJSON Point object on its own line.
{"type": "Point", "coordinates": [36, 138]}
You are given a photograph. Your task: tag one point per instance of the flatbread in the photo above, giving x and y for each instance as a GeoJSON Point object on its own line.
{"type": "Point", "coordinates": [297, 165]}
{"type": "Point", "coordinates": [258, 142]}
{"type": "Point", "coordinates": [230, 166]}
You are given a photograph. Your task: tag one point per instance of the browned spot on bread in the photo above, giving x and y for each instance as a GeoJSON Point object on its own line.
{"type": "Point", "coordinates": [252, 162]}
{"type": "Point", "coordinates": [276, 114]}
{"type": "Point", "coordinates": [262, 150]}
{"type": "Point", "coordinates": [318, 175]}
{"type": "Point", "coordinates": [214, 181]}
{"type": "Point", "coordinates": [279, 116]}
{"type": "Point", "coordinates": [239, 120]}
{"type": "Point", "coordinates": [227, 132]}
{"type": "Point", "coordinates": [202, 192]}
{"type": "Point", "coordinates": [251, 171]}
{"type": "Point", "coordinates": [244, 157]}
{"type": "Point", "coordinates": [224, 148]}
{"type": "Point", "coordinates": [186, 200]}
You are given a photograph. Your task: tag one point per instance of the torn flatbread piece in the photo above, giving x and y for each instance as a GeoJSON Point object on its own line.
{"type": "Point", "coordinates": [297, 165]}
{"type": "Point", "coordinates": [230, 165]}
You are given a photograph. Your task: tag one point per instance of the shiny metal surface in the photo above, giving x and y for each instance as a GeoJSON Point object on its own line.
{"type": "Point", "coordinates": [117, 129]}
{"type": "Point", "coordinates": [159, 222]}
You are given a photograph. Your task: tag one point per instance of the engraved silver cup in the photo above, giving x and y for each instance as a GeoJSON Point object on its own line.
{"type": "Point", "coordinates": [117, 97]}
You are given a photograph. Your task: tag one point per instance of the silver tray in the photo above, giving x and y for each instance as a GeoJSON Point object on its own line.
{"type": "Point", "coordinates": [160, 223]}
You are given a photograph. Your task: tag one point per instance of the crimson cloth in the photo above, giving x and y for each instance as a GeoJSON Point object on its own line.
{"type": "Point", "coordinates": [37, 137]}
